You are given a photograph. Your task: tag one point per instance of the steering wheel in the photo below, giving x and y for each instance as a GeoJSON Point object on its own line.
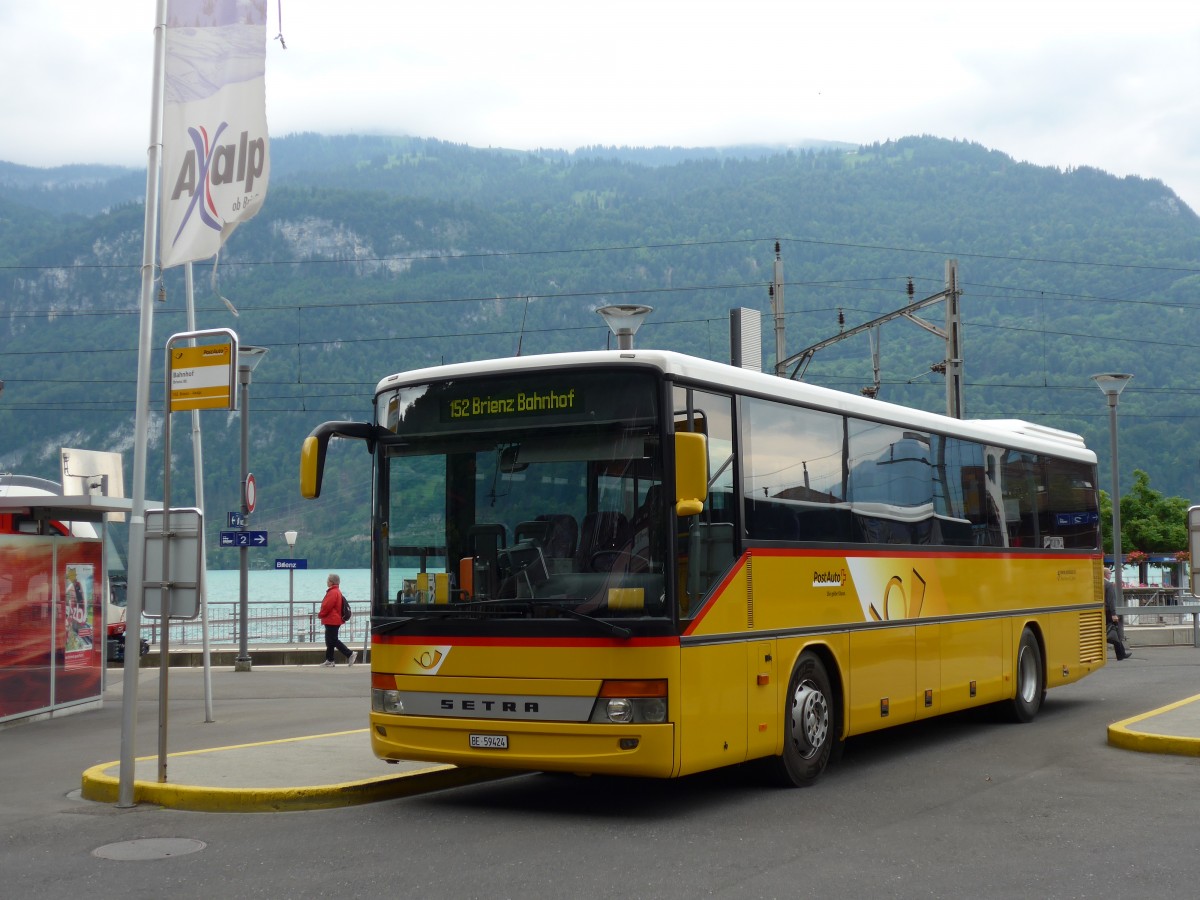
{"type": "Point", "coordinates": [605, 560]}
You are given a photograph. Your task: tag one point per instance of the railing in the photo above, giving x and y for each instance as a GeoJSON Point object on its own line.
{"type": "Point", "coordinates": [1174, 615]}
{"type": "Point", "coordinates": [267, 623]}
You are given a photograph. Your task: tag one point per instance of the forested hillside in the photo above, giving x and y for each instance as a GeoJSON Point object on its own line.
{"type": "Point", "coordinates": [374, 255]}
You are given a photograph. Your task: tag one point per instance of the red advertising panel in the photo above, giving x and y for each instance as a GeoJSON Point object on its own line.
{"type": "Point", "coordinates": [51, 642]}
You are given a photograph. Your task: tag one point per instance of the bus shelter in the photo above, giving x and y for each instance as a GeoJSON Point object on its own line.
{"type": "Point", "coordinates": [53, 609]}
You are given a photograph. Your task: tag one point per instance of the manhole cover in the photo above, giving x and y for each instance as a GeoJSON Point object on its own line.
{"type": "Point", "coordinates": [149, 848]}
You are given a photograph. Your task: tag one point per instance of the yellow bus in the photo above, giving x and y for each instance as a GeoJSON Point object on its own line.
{"type": "Point", "coordinates": [643, 563]}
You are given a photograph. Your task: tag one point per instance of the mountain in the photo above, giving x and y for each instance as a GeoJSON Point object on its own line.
{"type": "Point", "coordinates": [379, 254]}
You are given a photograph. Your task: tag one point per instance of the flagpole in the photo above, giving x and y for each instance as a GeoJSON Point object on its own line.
{"type": "Point", "coordinates": [137, 517]}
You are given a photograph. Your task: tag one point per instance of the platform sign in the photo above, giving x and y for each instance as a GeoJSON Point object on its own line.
{"type": "Point", "coordinates": [244, 539]}
{"type": "Point", "coordinates": [203, 377]}
{"type": "Point", "coordinates": [291, 563]}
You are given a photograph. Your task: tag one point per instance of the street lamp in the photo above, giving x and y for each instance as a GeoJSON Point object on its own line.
{"type": "Point", "coordinates": [290, 537]}
{"type": "Point", "coordinates": [248, 358]}
{"type": "Point", "coordinates": [1112, 384]}
{"type": "Point", "coordinates": [624, 319]}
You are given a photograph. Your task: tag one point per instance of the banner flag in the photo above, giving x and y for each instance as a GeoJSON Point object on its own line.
{"type": "Point", "coordinates": [215, 164]}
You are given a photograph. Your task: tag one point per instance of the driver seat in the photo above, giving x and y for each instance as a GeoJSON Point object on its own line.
{"type": "Point", "coordinates": [605, 530]}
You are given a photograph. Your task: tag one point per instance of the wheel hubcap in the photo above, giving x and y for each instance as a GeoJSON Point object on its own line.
{"type": "Point", "coordinates": [810, 719]}
{"type": "Point", "coordinates": [1027, 675]}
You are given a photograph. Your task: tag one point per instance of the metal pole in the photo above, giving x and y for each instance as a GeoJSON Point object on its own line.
{"type": "Point", "coordinates": [777, 310]}
{"type": "Point", "coordinates": [164, 646]}
{"type": "Point", "coordinates": [243, 661]}
{"type": "Point", "coordinates": [1116, 496]}
{"type": "Point", "coordinates": [954, 352]}
{"type": "Point", "coordinates": [198, 462]}
{"type": "Point", "coordinates": [137, 520]}
{"type": "Point", "coordinates": [290, 537]}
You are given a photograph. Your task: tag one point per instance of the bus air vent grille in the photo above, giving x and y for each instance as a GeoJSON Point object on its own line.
{"type": "Point", "coordinates": [749, 590]}
{"type": "Point", "coordinates": [1091, 636]}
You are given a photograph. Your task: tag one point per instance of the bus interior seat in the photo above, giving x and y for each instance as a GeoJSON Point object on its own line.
{"type": "Point", "coordinates": [486, 542]}
{"type": "Point", "coordinates": [536, 531]}
{"type": "Point", "coordinates": [600, 531]}
{"type": "Point", "coordinates": [561, 533]}
{"type": "Point", "coordinates": [649, 510]}
{"type": "Point", "coordinates": [646, 536]}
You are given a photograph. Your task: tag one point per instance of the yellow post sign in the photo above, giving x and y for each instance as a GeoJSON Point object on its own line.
{"type": "Point", "coordinates": [202, 377]}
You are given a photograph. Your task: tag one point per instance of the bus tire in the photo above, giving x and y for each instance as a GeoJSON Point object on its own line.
{"type": "Point", "coordinates": [810, 725]}
{"type": "Point", "coordinates": [1030, 677]}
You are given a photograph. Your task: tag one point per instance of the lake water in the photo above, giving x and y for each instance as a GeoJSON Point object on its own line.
{"type": "Point", "coordinates": [271, 585]}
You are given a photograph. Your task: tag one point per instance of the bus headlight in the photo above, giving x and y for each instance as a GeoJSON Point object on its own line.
{"type": "Point", "coordinates": [620, 711]}
{"type": "Point", "coordinates": [626, 702]}
{"type": "Point", "coordinates": [385, 701]}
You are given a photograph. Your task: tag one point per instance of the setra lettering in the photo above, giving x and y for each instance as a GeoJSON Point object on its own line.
{"type": "Point", "coordinates": [481, 705]}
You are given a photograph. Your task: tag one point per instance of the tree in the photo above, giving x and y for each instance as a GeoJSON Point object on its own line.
{"type": "Point", "coordinates": [1149, 521]}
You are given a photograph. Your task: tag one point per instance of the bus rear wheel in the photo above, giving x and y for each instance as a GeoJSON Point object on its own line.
{"type": "Point", "coordinates": [1030, 678]}
{"type": "Point", "coordinates": [810, 725]}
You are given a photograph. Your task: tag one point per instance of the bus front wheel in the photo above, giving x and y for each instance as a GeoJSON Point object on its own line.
{"type": "Point", "coordinates": [810, 724]}
{"type": "Point", "coordinates": [1030, 678]}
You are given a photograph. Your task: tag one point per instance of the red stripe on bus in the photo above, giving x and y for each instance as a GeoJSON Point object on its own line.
{"type": "Point", "coordinates": [458, 641]}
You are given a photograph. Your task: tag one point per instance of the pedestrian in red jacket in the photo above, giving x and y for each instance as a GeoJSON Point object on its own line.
{"type": "Point", "coordinates": [331, 617]}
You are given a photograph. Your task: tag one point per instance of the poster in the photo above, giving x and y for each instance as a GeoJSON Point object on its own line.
{"type": "Point", "coordinates": [79, 596]}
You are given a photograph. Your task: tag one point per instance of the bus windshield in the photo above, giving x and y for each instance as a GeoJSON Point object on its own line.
{"type": "Point", "coordinates": [530, 497]}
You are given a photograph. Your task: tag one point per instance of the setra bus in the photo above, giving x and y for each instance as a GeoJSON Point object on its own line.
{"type": "Point", "coordinates": [643, 563]}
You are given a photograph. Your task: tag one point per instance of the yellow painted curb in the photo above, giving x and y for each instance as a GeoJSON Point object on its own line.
{"type": "Point", "coordinates": [1120, 734]}
{"type": "Point", "coordinates": [100, 786]}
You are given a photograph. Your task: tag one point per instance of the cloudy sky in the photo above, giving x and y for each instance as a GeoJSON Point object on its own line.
{"type": "Point", "coordinates": [1055, 82]}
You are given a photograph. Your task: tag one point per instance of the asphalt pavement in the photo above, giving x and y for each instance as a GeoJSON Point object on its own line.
{"type": "Point", "coordinates": [294, 736]}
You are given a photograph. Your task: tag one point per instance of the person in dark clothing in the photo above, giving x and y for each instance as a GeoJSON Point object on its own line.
{"type": "Point", "coordinates": [331, 617]}
{"type": "Point", "coordinates": [1116, 628]}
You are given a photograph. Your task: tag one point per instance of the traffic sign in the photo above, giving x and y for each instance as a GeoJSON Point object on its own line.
{"type": "Point", "coordinates": [237, 520]}
{"type": "Point", "coordinates": [251, 492]}
{"type": "Point", "coordinates": [291, 563]}
{"type": "Point", "coordinates": [244, 539]}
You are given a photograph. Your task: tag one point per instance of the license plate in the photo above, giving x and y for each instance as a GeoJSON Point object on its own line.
{"type": "Point", "coordinates": [489, 741]}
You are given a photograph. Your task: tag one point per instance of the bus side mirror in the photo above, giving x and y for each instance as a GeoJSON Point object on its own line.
{"type": "Point", "coordinates": [312, 465]}
{"type": "Point", "coordinates": [691, 473]}
{"type": "Point", "coordinates": [312, 453]}
{"type": "Point", "coordinates": [1193, 520]}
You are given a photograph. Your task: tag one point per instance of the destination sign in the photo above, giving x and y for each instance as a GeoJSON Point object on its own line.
{"type": "Point", "coordinates": [518, 403]}
{"type": "Point", "coordinates": [549, 398]}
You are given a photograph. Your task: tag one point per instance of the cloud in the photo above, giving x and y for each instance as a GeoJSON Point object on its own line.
{"type": "Point", "coordinates": [1112, 85]}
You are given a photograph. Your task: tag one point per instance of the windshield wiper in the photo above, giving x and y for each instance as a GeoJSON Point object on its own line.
{"type": "Point", "coordinates": [615, 630]}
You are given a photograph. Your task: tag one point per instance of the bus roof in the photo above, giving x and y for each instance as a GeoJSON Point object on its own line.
{"type": "Point", "coordinates": [1014, 433]}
